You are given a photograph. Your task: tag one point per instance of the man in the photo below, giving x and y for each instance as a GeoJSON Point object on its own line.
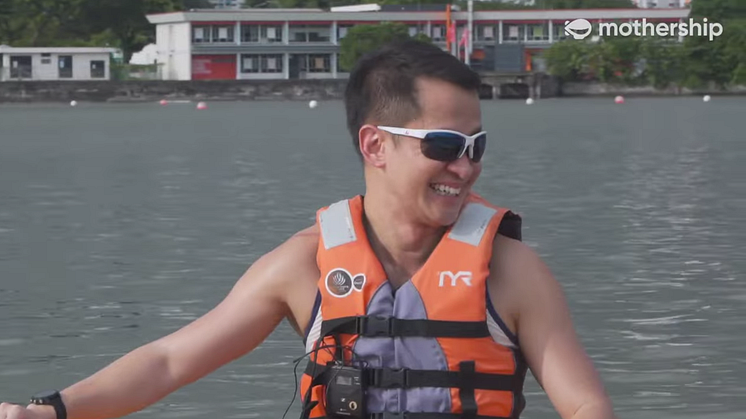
{"type": "Point", "coordinates": [417, 297]}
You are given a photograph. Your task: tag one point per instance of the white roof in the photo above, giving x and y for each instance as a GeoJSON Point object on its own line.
{"type": "Point", "coordinates": [357, 8]}
{"type": "Point", "coordinates": [56, 50]}
{"type": "Point", "coordinates": [308, 15]}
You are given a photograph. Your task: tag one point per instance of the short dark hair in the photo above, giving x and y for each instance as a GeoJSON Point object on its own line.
{"type": "Point", "coordinates": [381, 86]}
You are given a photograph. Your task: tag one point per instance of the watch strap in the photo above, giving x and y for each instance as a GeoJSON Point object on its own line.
{"type": "Point", "coordinates": [53, 399]}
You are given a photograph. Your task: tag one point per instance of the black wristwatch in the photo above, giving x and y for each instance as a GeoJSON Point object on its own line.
{"type": "Point", "coordinates": [51, 398]}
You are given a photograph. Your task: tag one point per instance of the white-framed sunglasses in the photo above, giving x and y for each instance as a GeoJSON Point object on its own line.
{"type": "Point", "coordinates": [444, 144]}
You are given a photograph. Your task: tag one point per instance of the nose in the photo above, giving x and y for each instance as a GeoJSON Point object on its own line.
{"type": "Point", "coordinates": [462, 167]}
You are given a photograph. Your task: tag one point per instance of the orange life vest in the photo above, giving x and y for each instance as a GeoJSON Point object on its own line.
{"type": "Point", "coordinates": [432, 349]}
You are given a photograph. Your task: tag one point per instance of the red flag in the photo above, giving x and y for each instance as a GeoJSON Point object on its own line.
{"type": "Point", "coordinates": [464, 37]}
{"type": "Point", "coordinates": [451, 33]}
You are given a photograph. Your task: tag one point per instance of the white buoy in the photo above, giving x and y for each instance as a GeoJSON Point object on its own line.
{"type": "Point", "coordinates": [164, 102]}
{"type": "Point", "coordinates": [529, 101]}
{"type": "Point", "coordinates": [74, 103]}
{"type": "Point", "coordinates": [707, 98]}
{"type": "Point", "coordinates": [619, 99]}
{"type": "Point", "coordinates": [313, 104]}
{"type": "Point", "coordinates": [201, 106]}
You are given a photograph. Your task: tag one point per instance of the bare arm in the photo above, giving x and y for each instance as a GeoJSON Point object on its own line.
{"type": "Point", "coordinates": [250, 312]}
{"type": "Point", "coordinates": [548, 338]}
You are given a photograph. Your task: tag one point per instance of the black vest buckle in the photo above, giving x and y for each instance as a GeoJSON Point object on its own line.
{"type": "Point", "coordinates": [389, 378]}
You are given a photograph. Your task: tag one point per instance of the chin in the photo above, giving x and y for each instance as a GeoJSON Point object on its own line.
{"type": "Point", "coordinates": [445, 215]}
{"type": "Point", "coordinates": [444, 210]}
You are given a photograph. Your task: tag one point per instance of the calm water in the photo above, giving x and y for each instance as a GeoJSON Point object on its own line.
{"type": "Point", "coordinates": [122, 223]}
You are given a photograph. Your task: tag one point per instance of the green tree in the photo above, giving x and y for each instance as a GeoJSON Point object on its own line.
{"type": "Point", "coordinates": [37, 22]}
{"type": "Point", "coordinates": [664, 62]}
{"type": "Point", "coordinates": [567, 59]}
{"type": "Point", "coordinates": [125, 20]}
{"type": "Point", "coordinates": [719, 10]}
{"type": "Point", "coordinates": [362, 39]}
{"type": "Point", "coordinates": [720, 61]}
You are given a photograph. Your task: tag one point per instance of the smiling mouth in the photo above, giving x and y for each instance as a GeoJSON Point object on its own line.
{"type": "Point", "coordinates": [445, 190]}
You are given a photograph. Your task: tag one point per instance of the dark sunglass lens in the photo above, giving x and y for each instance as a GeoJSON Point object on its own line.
{"type": "Point", "coordinates": [480, 144]}
{"type": "Point", "coordinates": [442, 146]}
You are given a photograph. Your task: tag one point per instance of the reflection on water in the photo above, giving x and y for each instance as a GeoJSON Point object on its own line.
{"type": "Point", "coordinates": [122, 223]}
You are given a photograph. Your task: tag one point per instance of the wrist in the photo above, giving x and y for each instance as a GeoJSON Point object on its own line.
{"type": "Point", "coordinates": [52, 402]}
{"type": "Point", "coordinates": [45, 411]}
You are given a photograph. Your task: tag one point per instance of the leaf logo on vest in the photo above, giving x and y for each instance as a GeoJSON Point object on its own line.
{"type": "Point", "coordinates": [340, 283]}
{"type": "Point", "coordinates": [464, 276]}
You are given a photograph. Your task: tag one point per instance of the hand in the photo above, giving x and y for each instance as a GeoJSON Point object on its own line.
{"type": "Point", "coordinates": [32, 411]}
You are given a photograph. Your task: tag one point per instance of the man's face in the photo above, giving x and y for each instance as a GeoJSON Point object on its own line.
{"type": "Point", "coordinates": [434, 191]}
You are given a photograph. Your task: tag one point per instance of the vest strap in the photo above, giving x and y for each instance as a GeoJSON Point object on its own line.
{"type": "Point", "coordinates": [426, 415]}
{"type": "Point", "coordinates": [407, 378]}
{"type": "Point", "coordinates": [465, 377]}
{"type": "Point", "coordinates": [377, 326]}
{"type": "Point", "coordinates": [420, 415]}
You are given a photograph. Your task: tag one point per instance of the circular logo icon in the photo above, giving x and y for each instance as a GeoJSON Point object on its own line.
{"type": "Point", "coordinates": [339, 283]}
{"type": "Point", "coordinates": [353, 405]}
{"type": "Point", "coordinates": [358, 282]}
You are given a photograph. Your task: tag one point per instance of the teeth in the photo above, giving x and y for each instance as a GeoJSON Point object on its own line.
{"type": "Point", "coordinates": [445, 190]}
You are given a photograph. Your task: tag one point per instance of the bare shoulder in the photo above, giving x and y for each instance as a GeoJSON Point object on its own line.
{"type": "Point", "coordinates": [296, 258]}
{"type": "Point", "coordinates": [293, 256]}
{"type": "Point", "coordinates": [290, 265]}
{"type": "Point", "coordinates": [516, 270]}
{"type": "Point", "coordinates": [519, 269]}
{"type": "Point", "coordinates": [533, 304]}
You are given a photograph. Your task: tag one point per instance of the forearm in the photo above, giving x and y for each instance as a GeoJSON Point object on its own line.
{"type": "Point", "coordinates": [595, 411]}
{"type": "Point", "coordinates": [129, 384]}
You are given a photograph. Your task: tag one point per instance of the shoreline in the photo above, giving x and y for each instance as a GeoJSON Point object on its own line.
{"type": "Point", "coordinates": [287, 90]}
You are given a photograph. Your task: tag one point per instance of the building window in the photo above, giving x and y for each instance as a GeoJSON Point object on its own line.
{"type": "Point", "coordinates": [20, 67]}
{"type": "Point", "coordinates": [201, 34]}
{"type": "Point", "coordinates": [261, 33]}
{"type": "Point", "coordinates": [438, 32]}
{"type": "Point", "coordinates": [319, 63]}
{"type": "Point", "coordinates": [271, 63]}
{"type": "Point", "coordinates": [261, 63]}
{"type": "Point", "coordinates": [484, 32]}
{"type": "Point", "coordinates": [65, 66]}
{"type": "Point", "coordinates": [513, 32]}
{"type": "Point", "coordinates": [249, 33]}
{"type": "Point", "coordinates": [98, 70]}
{"type": "Point", "coordinates": [249, 63]}
{"type": "Point", "coordinates": [342, 31]}
{"type": "Point", "coordinates": [272, 33]}
{"type": "Point", "coordinates": [538, 32]}
{"type": "Point", "coordinates": [223, 33]}
{"type": "Point", "coordinates": [558, 30]}
{"type": "Point", "coordinates": [310, 33]}
{"type": "Point", "coordinates": [46, 58]}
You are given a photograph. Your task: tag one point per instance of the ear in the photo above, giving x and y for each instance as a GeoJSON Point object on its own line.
{"type": "Point", "coordinates": [372, 145]}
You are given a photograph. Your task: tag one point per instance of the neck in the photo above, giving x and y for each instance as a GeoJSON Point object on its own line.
{"type": "Point", "coordinates": [403, 246]}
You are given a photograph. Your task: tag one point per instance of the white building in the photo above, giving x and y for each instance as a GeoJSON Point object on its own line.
{"type": "Point", "coordinates": [662, 4]}
{"type": "Point", "coordinates": [305, 43]}
{"type": "Point", "coordinates": [54, 63]}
